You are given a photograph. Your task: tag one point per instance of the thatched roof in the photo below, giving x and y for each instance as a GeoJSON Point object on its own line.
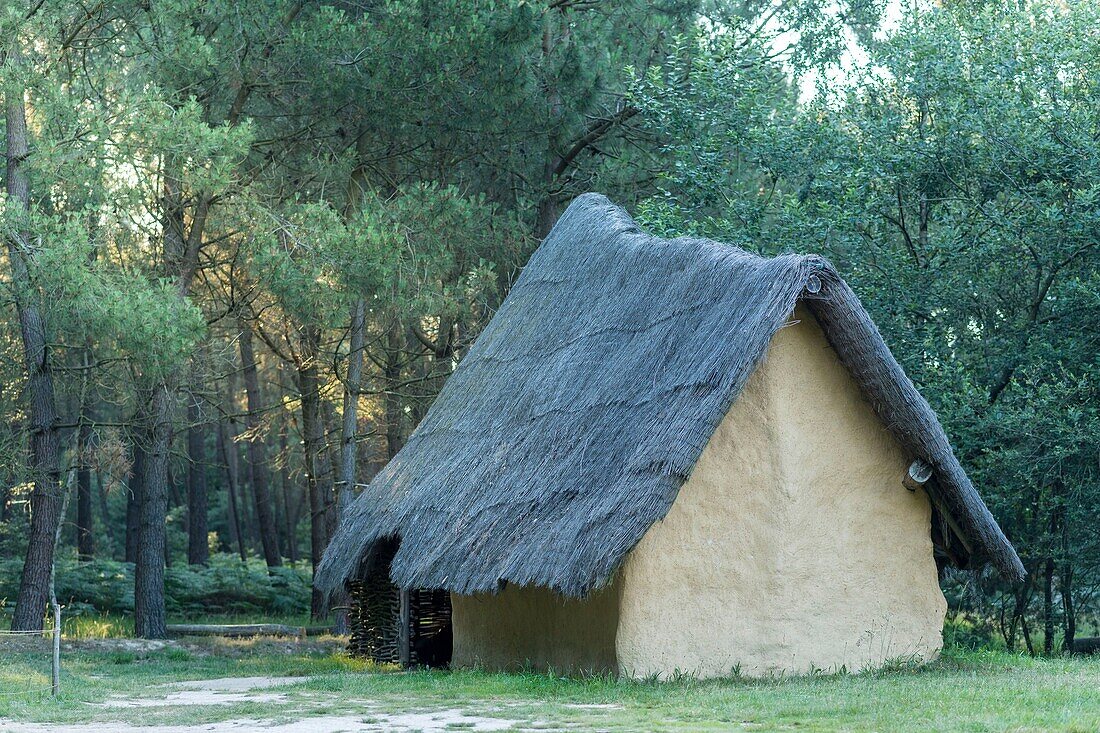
{"type": "Point", "coordinates": [568, 429]}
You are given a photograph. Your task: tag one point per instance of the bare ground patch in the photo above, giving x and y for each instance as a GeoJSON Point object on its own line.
{"type": "Point", "coordinates": [434, 722]}
{"type": "Point", "coordinates": [233, 690]}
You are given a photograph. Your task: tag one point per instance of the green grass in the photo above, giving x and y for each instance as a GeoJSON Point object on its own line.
{"type": "Point", "coordinates": [964, 691]}
{"type": "Point", "coordinates": [121, 626]}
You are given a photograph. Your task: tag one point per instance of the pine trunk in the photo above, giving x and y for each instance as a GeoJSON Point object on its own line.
{"type": "Point", "coordinates": [149, 607]}
{"type": "Point", "coordinates": [45, 471]}
{"type": "Point", "coordinates": [229, 461]}
{"type": "Point", "coordinates": [1065, 589]}
{"type": "Point", "coordinates": [257, 452]}
{"type": "Point", "coordinates": [349, 425]}
{"type": "Point", "coordinates": [1048, 606]}
{"type": "Point", "coordinates": [135, 487]}
{"type": "Point", "coordinates": [331, 471]}
{"type": "Point", "coordinates": [291, 508]}
{"type": "Point", "coordinates": [85, 538]}
{"type": "Point", "coordinates": [313, 446]}
{"type": "Point", "coordinates": [104, 510]}
{"type": "Point", "coordinates": [198, 547]}
{"type": "Point", "coordinates": [391, 400]}
{"type": "Point", "coordinates": [181, 256]}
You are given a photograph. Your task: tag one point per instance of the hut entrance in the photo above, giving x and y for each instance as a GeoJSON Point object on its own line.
{"type": "Point", "coordinates": [392, 626]}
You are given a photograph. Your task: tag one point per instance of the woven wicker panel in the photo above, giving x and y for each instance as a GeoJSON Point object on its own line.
{"type": "Point", "coordinates": [374, 620]}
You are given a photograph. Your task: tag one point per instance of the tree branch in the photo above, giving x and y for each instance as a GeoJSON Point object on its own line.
{"type": "Point", "coordinates": [598, 129]}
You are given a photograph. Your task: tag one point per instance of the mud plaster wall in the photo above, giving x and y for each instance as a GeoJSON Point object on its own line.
{"type": "Point", "coordinates": [536, 628]}
{"type": "Point", "coordinates": [793, 545]}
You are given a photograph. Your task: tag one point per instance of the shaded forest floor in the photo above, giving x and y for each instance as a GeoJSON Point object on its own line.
{"type": "Point", "coordinates": [283, 686]}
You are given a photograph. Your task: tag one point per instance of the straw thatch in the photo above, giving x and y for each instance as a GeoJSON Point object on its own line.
{"type": "Point", "coordinates": [569, 428]}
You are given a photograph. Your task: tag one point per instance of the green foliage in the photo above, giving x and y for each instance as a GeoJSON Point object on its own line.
{"type": "Point", "coordinates": [203, 156]}
{"type": "Point", "coordinates": [425, 251]}
{"type": "Point", "coordinates": [302, 259]}
{"type": "Point", "coordinates": [953, 179]}
{"type": "Point", "coordinates": [970, 633]}
{"type": "Point", "coordinates": [449, 247]}
{"type": "Point", "coordinates": [102, 585]}
{"type": "Point", "coordinates": [13, 532]}
{"type": "Point", "coordinates": [226, 586]}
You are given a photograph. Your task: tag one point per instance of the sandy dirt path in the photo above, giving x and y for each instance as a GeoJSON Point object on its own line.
{"type": "Point", "coordinates": [231, 690]}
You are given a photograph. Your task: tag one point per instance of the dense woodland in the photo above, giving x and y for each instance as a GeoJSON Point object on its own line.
{"type": "Point", "coordinates": [247, 242]}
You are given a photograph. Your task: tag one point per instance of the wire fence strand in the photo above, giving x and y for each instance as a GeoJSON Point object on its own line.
{"type": "Point", "coordinates": [46, 633]}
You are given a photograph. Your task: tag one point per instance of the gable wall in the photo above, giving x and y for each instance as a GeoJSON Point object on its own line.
{"type": "Point", "coordinates": [793, 546]}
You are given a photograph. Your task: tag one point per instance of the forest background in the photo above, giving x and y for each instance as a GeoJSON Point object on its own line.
{"type": "Point", "coordinates": [247, 243]}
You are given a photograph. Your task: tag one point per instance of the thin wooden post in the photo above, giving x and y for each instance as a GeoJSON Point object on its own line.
{"type": "Point", "coordinates": [53, 586]}
{"type": "Point", "coordinates": [56, 648]}
{"type": "Point", "coordinates": [405, 620]}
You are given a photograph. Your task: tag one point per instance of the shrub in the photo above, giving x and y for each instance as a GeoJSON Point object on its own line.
{"type": "Point", "coordinates": [965, 632]}
{"type": "Point", "coordinates": [232, 587]}
{"type": "Point", "coordinates": [226, 586]}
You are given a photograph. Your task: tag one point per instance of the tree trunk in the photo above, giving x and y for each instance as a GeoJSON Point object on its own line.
{"type": "Point", "coordinates": [313, 445]}
{"type": "Point", "coordinates": [349, 426]}
{"type": "Point", "coordinates": [1069, 615]}
{"type": "Point", "coordinates": [391, 400]}
{"type": "Point", "coordinates": [291, 509]}
{"type": "Point", "coordinates": [348, 429]}
{"type": "Point", "coordinates": [149, 607]}
{"type": "Point", "coordinates": [135, 492]}
{"type": "Point", "coordinates": [198, 547]}
{"type": "Point", "coordinates": [176, 497]}
{"type": "Point", "coordinates": [1065, 588]}
{"type": "Point", "coordinates": [1048, 606]}
{"type": "Point", "coordinates": [1008, 630]}
{"type": "Point", "coordinates": [547, 209]}
{"type": "Point", "coordinates": [547, 215]}
{"type": "Point", "coordinates": [278, 501]}
{"type": "Point", "coordinates": [1023, 603]}
{"type": "Point", "coordinates": [241, 469]}
{"type": "Point", "coordinates": [85, 538]}
{"type": "Point", "coordinates": [278, 496]}
{"type": "Point", "coordinates": [247, 495]}
{"type": "Point", "coordinates": [181, 257]}
{"type": "Point", "coordinates": [1026, 630]}
{"type": "Point", "coordinates": [358, 185]}
{"type": "Point", "coordinates": [30, 603]}
{"type": "Point", "coordinates": [229, 461]}
{"type": "Point", "coordinates": [339, 600]}
{"type": "Point", "coordinates": [104, 510]}
{"type": "Point", "coordinates": [331, 471]}
{"type": "Point", "coordinates": [257, 452]}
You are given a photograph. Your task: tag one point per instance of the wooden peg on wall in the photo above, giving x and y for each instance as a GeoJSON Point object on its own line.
{"type": "Point", "coordinates": [918, 474]}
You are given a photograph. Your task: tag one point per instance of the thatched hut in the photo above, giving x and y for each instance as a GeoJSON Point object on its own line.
{"type": "Point", "coordinates": [673, 455]}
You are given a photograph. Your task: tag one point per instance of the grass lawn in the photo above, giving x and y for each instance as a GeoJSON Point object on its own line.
{"type": "Point", "coordinates": [116, 684]}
